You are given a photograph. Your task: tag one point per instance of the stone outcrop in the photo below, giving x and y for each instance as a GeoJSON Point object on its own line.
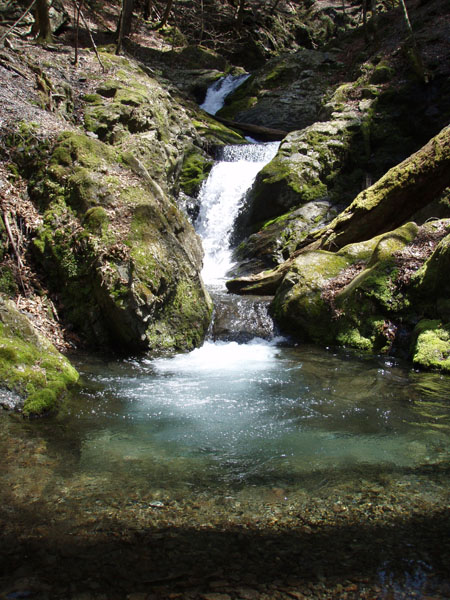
{"type": "Point", "coordinates": [122, 258]}
{"type": "Point", "coordinates": [369, 296]}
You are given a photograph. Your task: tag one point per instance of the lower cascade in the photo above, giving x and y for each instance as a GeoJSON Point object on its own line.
{"type": "Point", "coordinates": [235, 318]}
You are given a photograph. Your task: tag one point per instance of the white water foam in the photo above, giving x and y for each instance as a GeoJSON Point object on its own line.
{"type": "Point", "coordinates": [218, 357]}
{"type": "Point", "coordinates": [220, 198]}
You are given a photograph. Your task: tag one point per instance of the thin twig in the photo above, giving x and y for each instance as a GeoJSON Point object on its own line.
{"type": "Point", "coordinates": [11, 239]}
{"type": "Point", "coordinates": [5, 35]}
{"type": "Point", "coordinates": [92, 40]}
{"type": "Point", "coordinates": [15, 250]}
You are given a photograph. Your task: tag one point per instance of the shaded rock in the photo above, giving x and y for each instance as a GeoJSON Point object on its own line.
{"type": "Point", "coordinates": [296, 82]}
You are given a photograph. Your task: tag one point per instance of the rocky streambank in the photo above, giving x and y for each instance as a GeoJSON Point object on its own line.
{"type": "Point", "coordinates": [365, 165]}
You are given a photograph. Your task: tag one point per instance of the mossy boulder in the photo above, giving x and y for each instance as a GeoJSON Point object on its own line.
{"type": "Point", "coordinates": [351, 298]}
{"type": "Point", "coordinates": [311, 165]}
{"type": "Point", "coordinates": [431, 345]}
{"type": "Point", "coordinates": [30, 365]}
{"type": "Point", "coordinates": [298, 306]}
{"type": "Point", "coordinates": [277, 238]}
{"type": "Point", "coordinates": [134, 112]}
{"type": "Point", "coordinates": [431, 285]}
{"type": "Point", "coordinates": [122, 257]}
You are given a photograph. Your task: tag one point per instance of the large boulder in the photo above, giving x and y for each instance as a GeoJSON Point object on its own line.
{"type": "Point", "coordinates": [372, 296]}
{"type": "Point", "coordinates": [119, 256]}
{"type": "Point", "coordinates": [286, 93]}
{"type": "Point", "coordinates": [122, 257]}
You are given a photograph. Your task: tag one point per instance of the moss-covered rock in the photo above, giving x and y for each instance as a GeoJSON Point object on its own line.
{"type": "Point", "coordinates": [278, 238]}
{"type": "Point", "coordinates": [297, 81]}
{"type": "Point", "coordinates": [116, 249]}
{"type": "Point", "coordinates": [308, 167]}
{"type": "Point", "coordinates": [298, 305]}
{"type": "Point", "coordinates": [351, 297]}
{"type": "Point", "coordinates": [196, 168]}
{"type": "Point", "coordinates": [431, 345]}
{"type": "Point", "coordinates": [29, 365]}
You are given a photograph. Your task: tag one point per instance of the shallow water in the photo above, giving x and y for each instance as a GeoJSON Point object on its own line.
{"type": "Point", "coordinates": [230, 415]}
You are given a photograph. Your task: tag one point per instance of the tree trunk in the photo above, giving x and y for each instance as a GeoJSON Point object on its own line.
{"type": "Point", "coordinates": [240, 14]}
{"type": "Point", "coordinates": [414, 53]}
{"type": "Point", "coordinates": [42, 27]}
{"type": "Point", "coordinates": [166, 15]}
{"type": "Point", "coordinates": [147, 9]}
{"type": "Point", "coordinates": [125, 20]}
{"type": "Point", "coordinates": [394, 198]}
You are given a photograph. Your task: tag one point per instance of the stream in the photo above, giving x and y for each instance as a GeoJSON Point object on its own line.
{"type": "Point", "coordinates": [250, 461]}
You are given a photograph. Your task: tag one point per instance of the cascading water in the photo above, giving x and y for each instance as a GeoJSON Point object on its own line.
{"type": "Point", "coordinates": [216, 94]}
{"type": "Point", "coordinates": [220, 199]}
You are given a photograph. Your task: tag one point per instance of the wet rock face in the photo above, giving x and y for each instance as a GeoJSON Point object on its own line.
{"type": "Point", "coordinates": [242, 318]}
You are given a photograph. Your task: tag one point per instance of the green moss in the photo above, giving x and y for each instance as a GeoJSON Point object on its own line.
{"type": "Point", "coordinates": [352, 338]}
{"type": "Point", "coordinates": [216, 133]}
{"type": "Point", "coordinates": [30, 365]}
{"type": "Point", "coordinates": [195, 170]}
{"type": "Point", "coordinates": [75, 148]}
{"type": "Point", "coordinates": [96, 220]}
{"type": "Point", "coordinates": [8, 283]}
{"type": "Point", "coordinates": [431, 347]}
{"type": "Point", "coordinates": [93, 98]}
{"type": "Point", "coordinates": [382, 73]}
{"type": "Point", "coordinates": [228, 112]}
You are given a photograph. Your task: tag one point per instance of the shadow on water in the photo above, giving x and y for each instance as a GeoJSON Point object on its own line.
{"type": "Point", "coordinates": [113, 558]}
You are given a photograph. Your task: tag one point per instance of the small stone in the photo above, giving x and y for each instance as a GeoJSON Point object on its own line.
{"type": "Point", "coordinates": [248, 593]}
{"type": "Point", "coordinates": [214, 596]}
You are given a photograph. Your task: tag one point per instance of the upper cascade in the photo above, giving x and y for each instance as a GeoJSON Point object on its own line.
{"type": "Point", "coordinates": [218, 91]}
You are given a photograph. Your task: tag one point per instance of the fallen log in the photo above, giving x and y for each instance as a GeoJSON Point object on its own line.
{"type": "Point", "coordinates": [266, 134]}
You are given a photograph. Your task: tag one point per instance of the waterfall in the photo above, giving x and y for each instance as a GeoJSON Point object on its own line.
{"type": "Point", "coordinates": [216, 94]}
{"type": "Point", "coordinates": [220, 199]}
